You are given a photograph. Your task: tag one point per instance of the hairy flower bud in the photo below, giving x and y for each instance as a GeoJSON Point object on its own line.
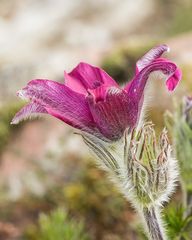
{"type": "Point", "coordinates": [143, 168]}
{"type": "Point", "coordinates": [152, 169]}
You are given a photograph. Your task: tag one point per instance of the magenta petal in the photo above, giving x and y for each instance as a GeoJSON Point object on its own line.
{"type": "Point", "coordinates": [135, 88]}
{"type": "Point", "coordinates": [99, 94]}
{"type": "Point", "coordinates": [61, 102]}
{"type": "Point", "coordinates": [112, 115]}
{"type": "Point", "coordinates": [173, 80]}
{"type": "Point", "coordinates": [168, 69]}
{"type": "Point", "coordinates": [74, 84]}
{"type": "Point", "coordinates": [30, 110]}
{"type": "Point", "coordinates": [88, 77]}
{"type": "Point", "coordinates": [150, 56]}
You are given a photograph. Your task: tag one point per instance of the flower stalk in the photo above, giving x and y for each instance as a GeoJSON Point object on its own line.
{"type": "Point", "coordinates": [153, 222]}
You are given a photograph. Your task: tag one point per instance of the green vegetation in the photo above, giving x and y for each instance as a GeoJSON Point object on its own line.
{"type": "Point", "coordinates": [178, 225]}
{"type": "Point", "coordinates": [57, 225]}
{"type": "Point", "coordinates": [181, 133]}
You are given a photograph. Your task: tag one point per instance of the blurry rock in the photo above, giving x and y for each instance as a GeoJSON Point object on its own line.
{"type": "Point", "coordinates": [8, 231]}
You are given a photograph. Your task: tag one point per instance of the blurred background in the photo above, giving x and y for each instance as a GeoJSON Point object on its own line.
{"type": "Point", "coordinates": [47, 175]}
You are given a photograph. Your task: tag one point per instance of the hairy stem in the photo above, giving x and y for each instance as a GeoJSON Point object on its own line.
{"type": "Point", "coordinates": [153, 223]}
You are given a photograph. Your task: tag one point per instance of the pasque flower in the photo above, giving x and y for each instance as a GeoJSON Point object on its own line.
{"type": "Point", "coordinates": [108, 118]}
{"type": "Point", "coordinates": [90, 100]}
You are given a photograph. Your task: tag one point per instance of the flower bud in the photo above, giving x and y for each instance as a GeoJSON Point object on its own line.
{"type": "Point", "coordinates": [152, 169]}
{"type": "Point", "coordinates": [142, 167]}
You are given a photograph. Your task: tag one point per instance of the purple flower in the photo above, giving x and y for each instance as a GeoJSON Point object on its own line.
{"type": "Point", "coordinates": [90, 100]}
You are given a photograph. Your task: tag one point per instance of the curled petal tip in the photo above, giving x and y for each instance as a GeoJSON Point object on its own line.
{"type": "Point", "coordinates": [151, 56]}
{"type": "Point", "coordinates": [165, 46]}
{"type": "Point", "coordinates": [173, 81]}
